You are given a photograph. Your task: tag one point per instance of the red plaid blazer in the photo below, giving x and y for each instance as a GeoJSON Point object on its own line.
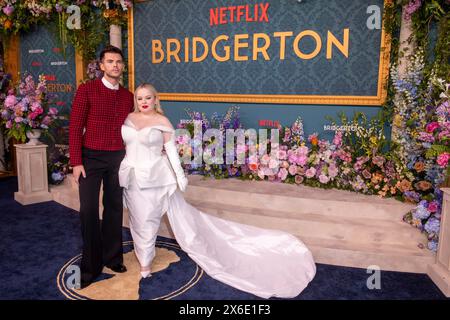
{"type": "Point", "coordinates": [101, 111]}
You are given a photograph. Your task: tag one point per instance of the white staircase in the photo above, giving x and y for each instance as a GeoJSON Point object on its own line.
{"type": "Point", "coordinates": [340, 227]}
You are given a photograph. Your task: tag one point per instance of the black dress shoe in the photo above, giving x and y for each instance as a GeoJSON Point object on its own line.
{"type": "Point", "coordinates": [119, 268]}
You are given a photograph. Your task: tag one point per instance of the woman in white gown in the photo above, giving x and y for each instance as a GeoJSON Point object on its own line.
{"type": "Point", "coordinates": [266, 263]}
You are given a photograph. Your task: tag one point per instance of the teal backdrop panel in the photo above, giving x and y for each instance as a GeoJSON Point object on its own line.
{"type": "Point", "coordinates": [355, 75]}
{"type": "Point", "coordinates": [41, 54]}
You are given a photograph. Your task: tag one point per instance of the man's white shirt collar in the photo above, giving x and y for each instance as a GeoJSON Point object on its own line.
{"type": "Point", "coordinates": [109, 84]}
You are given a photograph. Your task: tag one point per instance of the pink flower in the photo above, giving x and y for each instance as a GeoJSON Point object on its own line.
{"type": "Point", "coordinates": [282, 154]}
{"type": "Point", "coordinates": [9, 124]}
{"type": "Point", "coordinates": [10, 101]}
{"type": "Point", "coordinates": [8, 10]}
{"type": "Point", "coordinates": [427, 137]}
{"type": "Point", "coordinates": [337, 141]}
{"type": "Point", "coordinates": [32, 115]}
{"type": "Point", "coordinates": [311, 172]}
{"type": "Point", "coordinates": [333, 171]}
{"type": "Point", "coordinates": [366, 173]}
{"type": "Point", "coordinates": [444, 135]}
{"type": "Point", "coordinates": [268, 172]}
{"type": "Point", "coordinates": [265, 159]}
{"type": "Point", "coordinates": [378, 160]}
{"type": "Point", "coordinates": [273, 163]}
{"type": "Point", "coordinates": [46, 121]}
{"type": "Point", "coordinates": [431, 127]}
{"type": "Point", "coordinates": [298, 179]}
{"type": "Point", "coordinates": [282, 174]}
{"type": "Point", "coordinates": [293, 170]}
{"type": "Point", "coordinates": [302, 151]}
{"type": "Point", "coordinates": [35, 105]}
{"type": "Point", "coordinates": [52, 111]}
{"type": "Point", "coordinates": [324, 179]}
{"type": "Point", "coordinates": [432, 206]}
{"type": "Point", "coordinates": [442, 159]}
{"type": "Point", "coordinates": [301, 160]}
{"type": "Point", "coordinates": [18, 119]}
{"type": "Point", "coordinates": [182, 139]}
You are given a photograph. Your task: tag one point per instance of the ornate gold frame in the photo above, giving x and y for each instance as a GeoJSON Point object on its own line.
{"type": "Point", "coordinates": [377, 100]}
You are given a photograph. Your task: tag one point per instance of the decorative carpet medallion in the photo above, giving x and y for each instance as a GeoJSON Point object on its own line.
{"type": "Point", "coordinates": [173, 273]}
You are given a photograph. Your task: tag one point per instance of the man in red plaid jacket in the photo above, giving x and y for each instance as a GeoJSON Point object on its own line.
{"type": "Point", "coordinates": [96, 150]}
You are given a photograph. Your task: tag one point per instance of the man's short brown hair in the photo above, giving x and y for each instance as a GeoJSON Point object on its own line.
{"type": "Point", "coordinates": [110, 49]}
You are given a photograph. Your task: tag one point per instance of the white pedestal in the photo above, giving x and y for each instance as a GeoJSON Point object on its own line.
{"type": "Point", "coordinates": [440, 271]}
{"type": "Point", "coordinates": [32, 174]}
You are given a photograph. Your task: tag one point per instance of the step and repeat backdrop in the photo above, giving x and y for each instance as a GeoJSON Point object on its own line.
{"type": "Point", "coordinates": [275, 59]}
{"type": "Point", "coordinates": [42, 54]}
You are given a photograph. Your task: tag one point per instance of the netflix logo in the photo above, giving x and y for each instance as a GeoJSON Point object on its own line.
{"type": "Point", "coordinates": [269, 123]}
{"type": "Point", "coordinates": [56, 50]}
{"type": "Point", "coordinates": [36, 64]}
{"type": "Point", "coordinates": [50, 77]}
{"type": "Point", "coordinates": [246, 13]}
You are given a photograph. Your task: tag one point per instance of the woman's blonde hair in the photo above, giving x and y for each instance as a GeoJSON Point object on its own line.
{"type": "Point", "coordinates": [153, 90]}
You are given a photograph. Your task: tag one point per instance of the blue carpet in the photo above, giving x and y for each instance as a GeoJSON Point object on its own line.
{"type": "Point", "coordinates": [37, 240]}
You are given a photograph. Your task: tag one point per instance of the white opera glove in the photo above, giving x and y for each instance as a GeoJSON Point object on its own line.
{"type": "Point", "coordinates": [174, 159]}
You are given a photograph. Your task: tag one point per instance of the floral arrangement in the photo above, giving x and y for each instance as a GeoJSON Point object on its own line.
{"type": "Point", "coordinates": [93, 70]}
{"type": "Point", "coordinates": [58, 164]}
{"type": "Point", "coordinates": [27, 108]}
{"type": "Point", "coordinates": [354, 160]}
{"type": "Point", "coordinates": [426, 135]}
{"type": "Point", "coordinates": [96, 17]}
{"type": "Point", "coordinates": [16, 16]}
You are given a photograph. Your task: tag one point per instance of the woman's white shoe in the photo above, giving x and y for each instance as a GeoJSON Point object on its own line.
{"type": "Point", "coordinates": [146, 274]}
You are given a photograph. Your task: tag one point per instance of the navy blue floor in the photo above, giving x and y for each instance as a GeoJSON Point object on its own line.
{"type": "Point", "coordinates": [37, 240]}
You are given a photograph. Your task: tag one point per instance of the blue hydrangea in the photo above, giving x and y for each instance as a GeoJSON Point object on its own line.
{"type": "Point", "coordinates": [432, 226]}
{"type": "Point", "coordinates": [421, 212]}
{"type": "Point", "coordinates": [433, 245]}
{"type": "Point", "coordinates": [57, 176]}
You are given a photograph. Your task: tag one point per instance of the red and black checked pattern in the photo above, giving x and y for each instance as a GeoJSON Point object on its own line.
{"type": "Point", "coordinates": [101, 111]}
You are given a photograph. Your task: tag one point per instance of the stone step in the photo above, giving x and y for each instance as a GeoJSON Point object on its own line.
{"type": "Point", "coordinates": [314, 225]}
{"type": "Point", "coordinates": [296, 199]}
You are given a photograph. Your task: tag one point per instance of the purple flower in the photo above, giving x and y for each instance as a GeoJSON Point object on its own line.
{"type": "Point", "coordinates": [432, 225]}
{"type": "Point", "coordinates": [8, 10]}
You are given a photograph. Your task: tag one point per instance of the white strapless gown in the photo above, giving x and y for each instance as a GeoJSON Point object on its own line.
{"type": "Point", "coordinates": [266, 263]}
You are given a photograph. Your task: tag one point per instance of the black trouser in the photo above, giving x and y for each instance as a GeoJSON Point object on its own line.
{"type": "Point", "coordinates": [102, 240]}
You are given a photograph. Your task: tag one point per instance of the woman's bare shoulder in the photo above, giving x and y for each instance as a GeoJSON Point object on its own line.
{"type": "Point", "coordinates": [164, 121]}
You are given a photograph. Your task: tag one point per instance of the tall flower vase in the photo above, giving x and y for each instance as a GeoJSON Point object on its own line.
{"type": "Point", "coordinates": [33, 137]}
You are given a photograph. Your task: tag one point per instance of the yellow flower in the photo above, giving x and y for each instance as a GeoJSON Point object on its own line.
{"type": "Point", "coordinates": [398, 120]}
